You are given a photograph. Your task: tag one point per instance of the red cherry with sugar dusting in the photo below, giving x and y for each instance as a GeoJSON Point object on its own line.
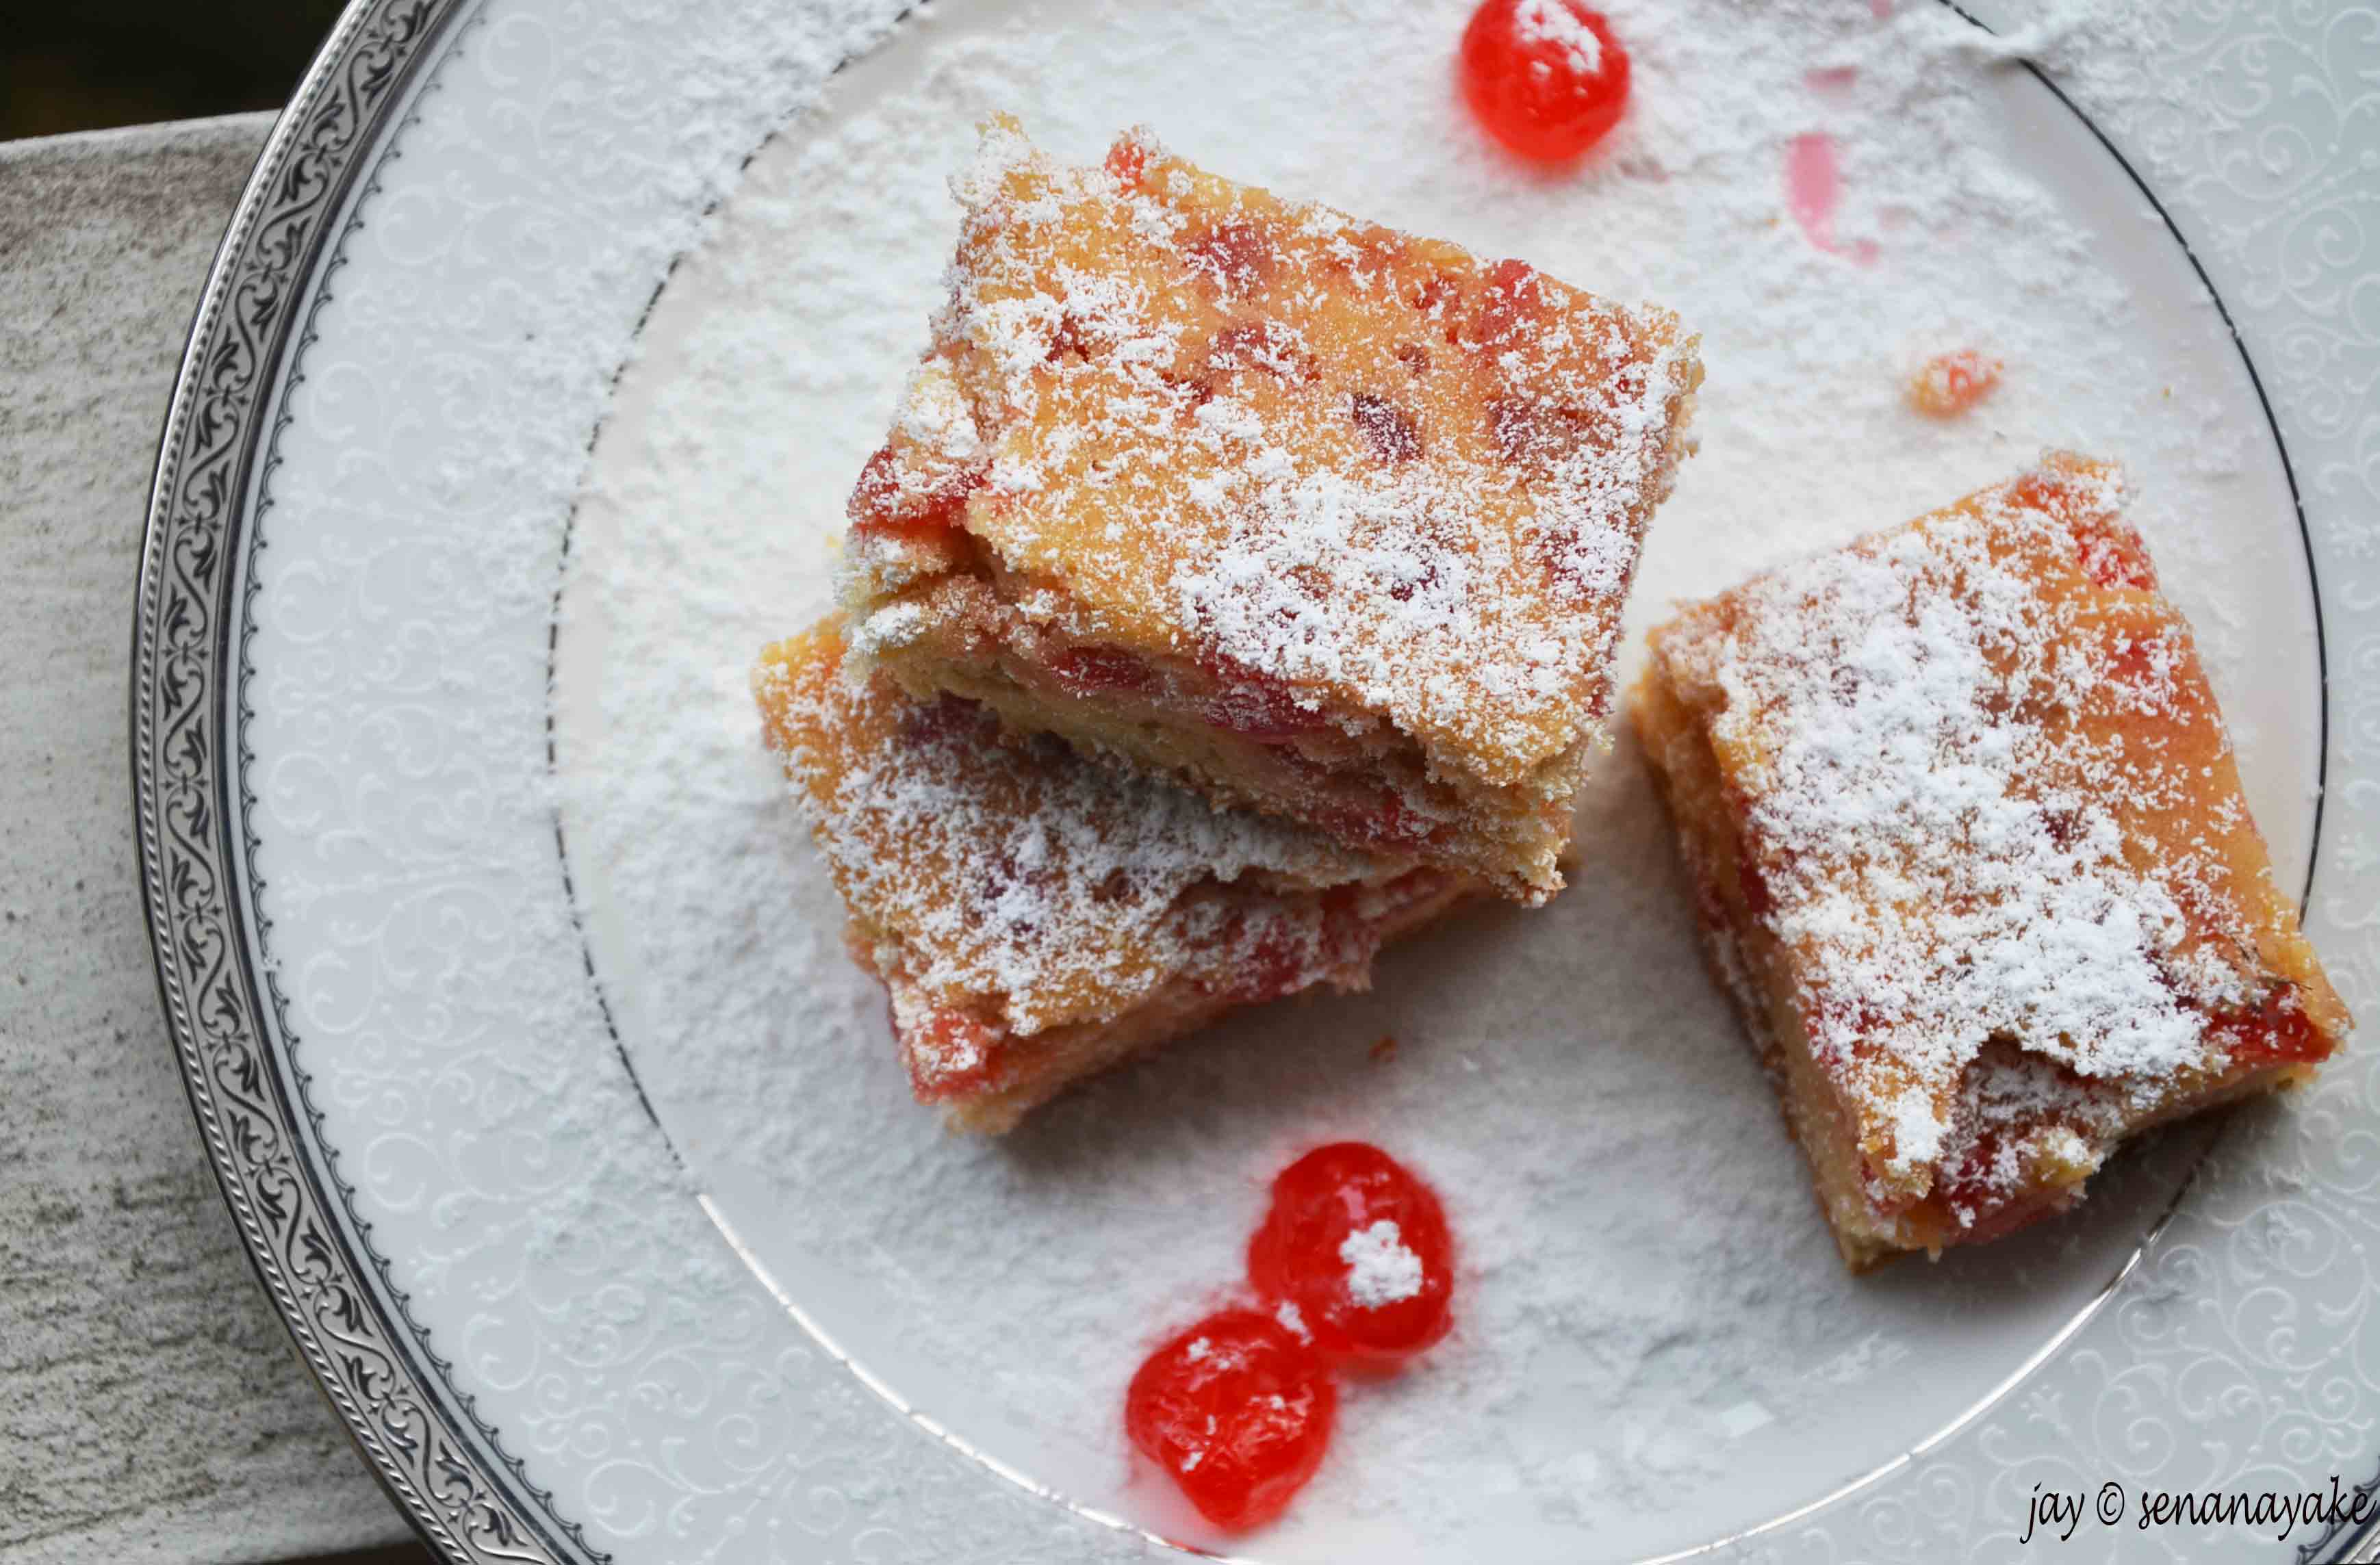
{"type": "Point", "coordinates": [1238, 1411]}
{"type": "Point", "coordinates": [1360, 1247]}
{"type": "Point", "coordinates": [1546, 78]}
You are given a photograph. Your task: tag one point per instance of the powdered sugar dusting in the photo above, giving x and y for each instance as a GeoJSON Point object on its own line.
{"type": "Point", "coordinates": [1552, 21]}
{"type": "Point", "coordinates": [1380, 1270]}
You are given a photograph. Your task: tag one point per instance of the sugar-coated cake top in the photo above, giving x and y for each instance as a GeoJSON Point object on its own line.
{"type": "Point", "coordinates": [1019, 882]}
{"type": "Point", "coordinates": [1990, 809]}
{"type": "Point", "coordinates": [1187, 416]}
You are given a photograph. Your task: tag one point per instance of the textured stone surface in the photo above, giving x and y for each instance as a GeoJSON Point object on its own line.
{"type": "Point", "coordinates": [150, 1406]}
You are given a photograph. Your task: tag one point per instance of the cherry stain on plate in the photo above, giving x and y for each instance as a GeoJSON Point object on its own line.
{"type": "Point", "coordinates": [1813, 187]}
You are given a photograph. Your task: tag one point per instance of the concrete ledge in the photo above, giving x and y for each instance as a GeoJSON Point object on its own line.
{"type": "Point", "coordinates": [150, 1405]}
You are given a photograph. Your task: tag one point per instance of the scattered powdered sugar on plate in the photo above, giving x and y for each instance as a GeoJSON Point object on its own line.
{"type": "Point", "coordinates": [1550, 22]}
{"type": "Point", "coordinates": [1641, 1261]}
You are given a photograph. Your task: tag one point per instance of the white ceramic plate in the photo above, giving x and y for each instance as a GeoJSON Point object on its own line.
{"type": "Point", "coordinates": [519, 414]}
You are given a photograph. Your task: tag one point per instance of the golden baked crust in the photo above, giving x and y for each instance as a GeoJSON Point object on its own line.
{"type": "Point", "coordinates": [1034, 916]}
{"type": "Point", "coordinates": [1315, 485]}
{"type": "Point", "coordinates": [1972, 853]}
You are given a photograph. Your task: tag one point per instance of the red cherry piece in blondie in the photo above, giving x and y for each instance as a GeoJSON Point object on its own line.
{"type": "Point", "coordinates": [1094, 671]}
{"type": "Point", "coordinates": [2270, 1034]}
{"type": "Point", "coordinates": [2113, 557]}
{"type": "Point", "coordinates": [1236, 257]}
{"type": "Point", "coordinates": [2135, 664]}
{"type": "Point", "coordinates": [2109, 552]}
{"type": "Point", "coordinates": [1950, 384]}
{"type": "Point", "coordinates": [875, 500]}
{"type": "Point", "coordinates": [1512, 306]}
{"type": "Point", "coordinates": [946, 719]}
{"type": "Point", "coordinates": [1127, 161]}
{"type": "Point", "coordinates": [950, 1052]}
{"type": "Point", "coordinates": [1967, 1184]}
{"type": "Point", "coordinates": [1546, 78]}
{"type": "Point", "coordinates": [879, 504]}
{"type": "Point", "coordinates": [1276, 966]}
{"type": "Point", "coordinates": [1237, 1410]}
{"type": "Point", "coordinates": [1983, 1197]}
{"type": "Point", "coordinates": [1251, 702]}
{"type": "Point", "coordinates": [1387, 429]}
{"type": "Point", "coordinates": [1383, 823]}
{"type": "Point", "coordinates": [1753, 881]}
{"type": "Point", "coordinates": [1261, 345]}
{"type": "Point", "coordinates": [1360, 1246]}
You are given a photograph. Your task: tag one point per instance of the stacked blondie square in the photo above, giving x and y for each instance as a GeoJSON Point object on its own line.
{"type": "Point", "coordinates": [1239, 589]}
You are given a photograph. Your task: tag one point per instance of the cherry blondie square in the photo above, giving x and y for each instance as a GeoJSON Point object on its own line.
{"type": "Point", "coordinates": [1035, 916]}
{"type": "Point", "coordinates": [1323, 519]}
{"type": "Point", "coordinates": [1971, 855]}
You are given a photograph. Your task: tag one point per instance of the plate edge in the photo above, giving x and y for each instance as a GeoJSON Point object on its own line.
{"type": "Point", "coordinates": [243, 332]}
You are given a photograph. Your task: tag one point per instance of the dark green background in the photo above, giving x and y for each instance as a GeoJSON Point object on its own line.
{"type": "Point", "coordinates": [80, 65]}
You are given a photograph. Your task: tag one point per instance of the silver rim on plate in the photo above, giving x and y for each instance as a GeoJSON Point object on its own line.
{"type": "Point", "coordinates": [418, 1435]}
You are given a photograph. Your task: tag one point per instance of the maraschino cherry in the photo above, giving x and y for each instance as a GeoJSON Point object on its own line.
{"type": "Point", "coordinates": [1546, 78]}
{"type": "Point", "coordinates": [1354, 1265]}
{"type": "Point", "coordinates": [1238, 1411]}
{"type": "Point", "coordinates": [1360, 1247]}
